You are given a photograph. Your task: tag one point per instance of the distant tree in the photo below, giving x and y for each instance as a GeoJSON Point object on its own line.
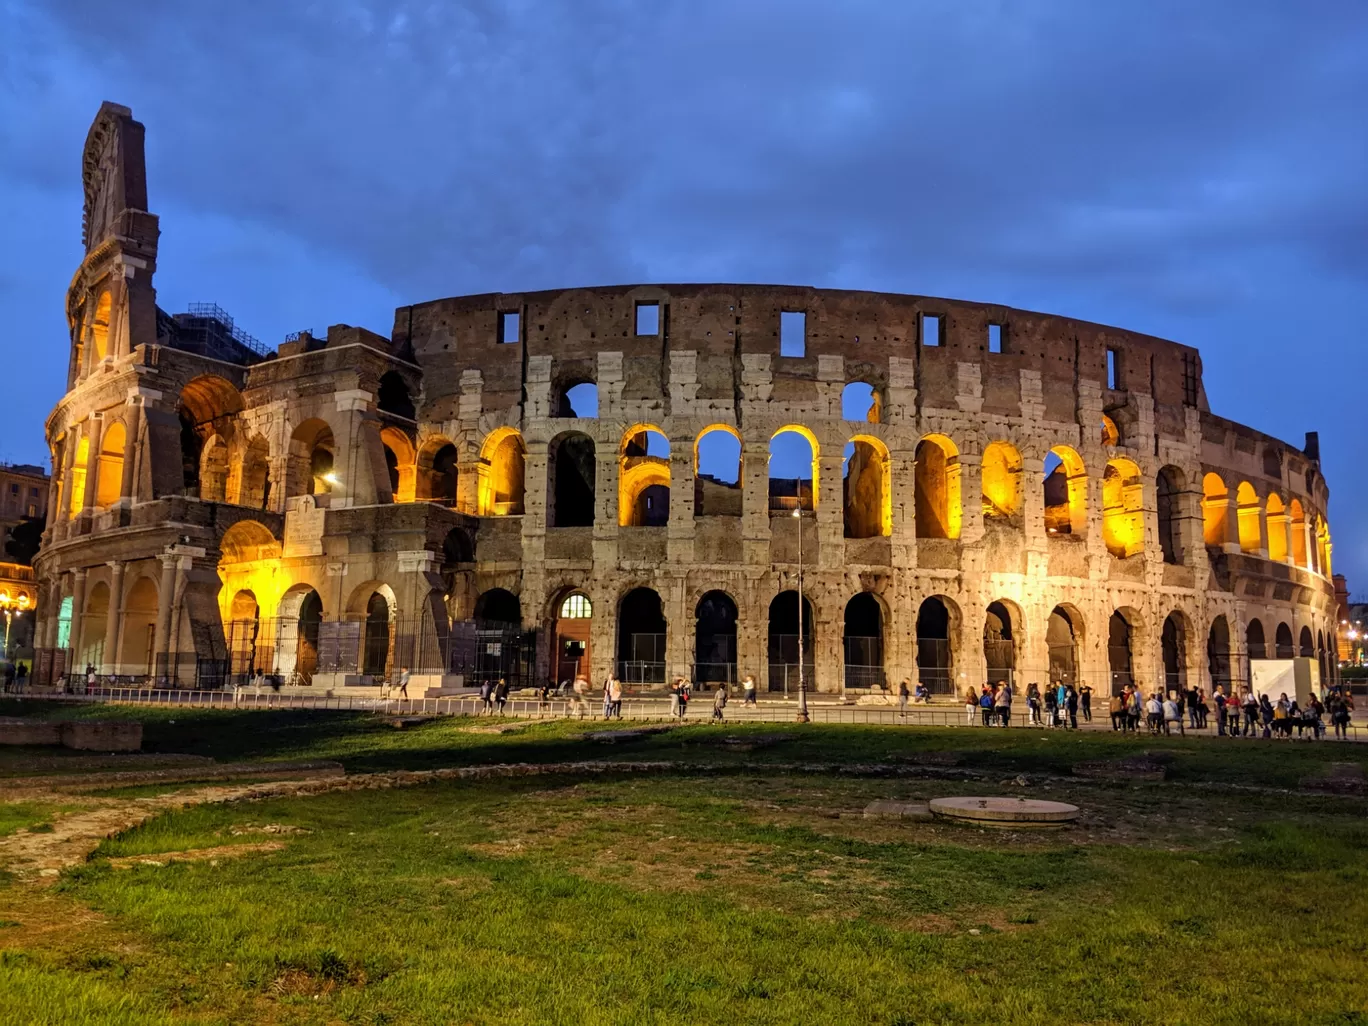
{"type": "Point", "coordinates": [22, 544]}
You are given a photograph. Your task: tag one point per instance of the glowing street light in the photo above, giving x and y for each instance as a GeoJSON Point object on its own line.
{"type": "Point", "coordinates": [10, 606]}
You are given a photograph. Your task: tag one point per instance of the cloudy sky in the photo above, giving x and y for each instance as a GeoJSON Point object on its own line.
{"type": "Point", "coordinates": [1194, 170]}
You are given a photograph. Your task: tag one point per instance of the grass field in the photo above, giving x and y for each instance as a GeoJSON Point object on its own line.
{"type": "Point", "coordinates": [1224, 895]}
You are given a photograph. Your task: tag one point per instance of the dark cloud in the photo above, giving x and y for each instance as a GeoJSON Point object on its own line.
{"type": "Point", "coordinates": [1194, 170]}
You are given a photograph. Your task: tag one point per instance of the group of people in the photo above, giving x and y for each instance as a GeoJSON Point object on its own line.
{"type": "Point", "coordinates": [1237, 715]}
{"type": "Point", "coordinates": [1057, 705]}
{"type": "Point", "coordinates": [15, 676]}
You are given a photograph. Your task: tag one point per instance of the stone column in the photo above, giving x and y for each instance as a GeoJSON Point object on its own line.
{"type": "Point", "coordinates": [96, 431]}
{"type": "Point", "coordinates": [161, 638]}
{"type": "Point", "coordinates": [78, 587]}
{"type": "Point", "coordinates": [680, 536]}
{"type": "Point", "coordinates": [114, 618]}
{"type": "Point", "coordinates": [64, 500]}
{"type": "Point", "coordinates": [903, 481]}
{"type": "Point", "coordinates": [830, 512]}
{"type": "Point", "coordinates": [755, 526]}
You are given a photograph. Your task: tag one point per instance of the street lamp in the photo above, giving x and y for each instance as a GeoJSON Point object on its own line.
{"type": "Point", "coordinates": [802, 675]}
{"type": "Point", "coordinates": [8, 606]}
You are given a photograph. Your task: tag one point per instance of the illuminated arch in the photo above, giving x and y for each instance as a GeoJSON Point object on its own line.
{"type": "Point", "coordinates": [249, 560]}
{"type": "Point", "coordinates": [643, 477]}
{"type": "Point", "coordinates": [1276, 521]}
{"type": "Point", "coordinates": [78, 476]}
{"type": "Point", "coordinates": [718, 488]}
{"type": "Point", "coordinates": [1215, 510]}
{"type": "Point", "coordinates": [109, 482]}
{"type": "Point", "coordinates": [788, 493]}
{"type": "Point", "coordinates": [401, 460]}
{"type": "Point", "coordinates": [1123, 510]}
{"type": "Point", "coordinates": [502, 470]}
{"type": "Point", "coordinates": [1066, 493]}
{"type": "Point", "coordinates": [1001, 470]}
{"type": "Point", "coordinates": [868, 489]}
{"type": "Point", "coordinates": [1110, 435]}
{"type": "Point", "coordinates": [1298, 520]}
{"type": "Point", "coordinates": [938, 506]}
{"type": "Point", "coordinates": [436, 477]}
{"type": "Point", "coordinates": [1249, 518]}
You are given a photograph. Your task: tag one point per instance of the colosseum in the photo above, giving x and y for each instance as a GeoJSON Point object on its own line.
{"type": "Point", "coordinates": [654, 480]}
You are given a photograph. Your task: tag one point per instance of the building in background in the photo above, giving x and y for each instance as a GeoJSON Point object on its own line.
{"type": "Point", "coordinates": [23, 509]}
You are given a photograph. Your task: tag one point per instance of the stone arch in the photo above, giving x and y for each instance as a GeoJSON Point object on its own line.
{"type": "Point", "coordinates": [572, 615]}
{"type": "Point", "coordinates": [785, 630]}
{"type": "Point", "coordinates": [1174, 639]}
{"type": "Point", "coordinates": [577, 397]}
{"type": "Point", "coordinates": [571, 470]}
{"type": "Point", "coordinates": [208, 406]}
{"type": "Point", "coordinates": [138, 639]}
{"type": "Point", "coordinates": [937, 633]}
{"type": "Point", "coordinates": [1123, 508]}
{"type": "Point", "coordinates": [1000, 641]}
{"type": "Point", "coordinates": [401, 461]}
{"type": "Point", "coordinates": [1282, 642]}
{"type": "Point", "coordinates": [1215, 510]}
{"type": "Point", "coordinates": [1063, 639]}
{"type": "Point", "coordinates": [393, 396]}
{"type": "Point", "coordinates": [862, 640]}
{"type": "Point", "coordinates": [99, 326]}
{"type": "Point", "coordinates": [213, 469]}
{"type": "Point", "coordinates": [1297, 519]}
{"type": "Point", "coordinates": [1275, 523]}
{"type": "Point", "coordinates": [787, 449]}
{"type": "Point", "coordinates": [717, 472]}
{"type": "Point", "coordinates": [1121, 650]}
{"type": "Point", "coordinates": [254, 479]}
{"type": "Point", "coordinates": [642, 633]}
{"type": "Point", "coordinates": [312, 450]}
{"type": "Point", "coordinates": [644, 477]}
{"type": "Point", "coordinates": [498, 607]}
{"type": "Point", "coordinates": [1249, 518]}
{"type": "Point", "coordinates": [503, 466]}
{"type": "Point", "coordinates": [1256, 645]}
{"type": "Point", "coordinates": [301, 616]}
{"type": "Point", "coordinates": [242, 632]}
{"type": "Point", "coordinates": [867, 488]}
{"type": "Point", "coordinates": [436, 477]}
{"type": "Point", "coordinates": [1218, 655]}
{"type": "Point", "coordinates": [1306, 643]}
{"type": "Point", "coordinates": [1001, 468]}
{"type": "Point", "coordinates": [938, 506]}
{"type": "Point", "coordinates": [109, 482]}
{"type": "Point", "coordinates": [79, 467]}
{"type": "Point", "coordinates": [1066, 493]}
{"type": "Point", "coordinates": [94, 619]}
{"type": "Point", "coordinates": [1168, 494]}
{"type": "Point", "coordinates": [861, 401]}
{"type": "Point", "coordinates": [715, 619]}
{"type": "Point", "coordinates": [1110, 435]}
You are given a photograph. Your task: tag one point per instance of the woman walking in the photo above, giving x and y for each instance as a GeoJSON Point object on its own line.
{"type": "Point", "coordinates": [971, 700]}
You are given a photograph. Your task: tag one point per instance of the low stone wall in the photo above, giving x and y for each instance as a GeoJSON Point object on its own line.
{"type": "Point", "coordinates": [29, 732]}
{"type": "Point", "coordinates": [83, 735]}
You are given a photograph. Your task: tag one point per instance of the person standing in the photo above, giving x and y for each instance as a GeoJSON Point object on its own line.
{"type": "Point", "coordinates": [683, 698]}
{"type": "Point", "coordinates": [1116, 706]}
{"type": "Point", "coordinates": [578, 690]}
{"type": "Point", "coordinates": [1154, 713]}
{"type": "Point", "coordinates": [676, 689]}
{"type": "Point", "coordinates": [1173, 713]}
{"type": "Point", "coordinates": [1071, 704]}
{"type": "Point", "coordinates": [615, 696]}
{"type": "Point", "coordinates": [1251, 713]}
{"type": "Point", "coordinates": [971, 705]}
{"type": "Point", "coordinates": [90, 677]}
{"type": "Point", "coordinates": [748, 689]}
{"type": "Point", "coordinates": [1051, 706]}
{"type": "Point", "coordinates": [544, 698]}
{"type": "Point", "coordinates": [501, 694]}
{"type": "Point", "coordinates": [1002, 700]}
{"type": "Point", "coordinates": [1134, 709]}
{"type": "Point", "coordinates": [608, 696]}
{"type": "Point", "coordinates": [487, 697]}
{"type": "Point", "coordinates": [1085, 693]}
{"type": "Point", "coordinates": [720, 701]}
{"type": "Point", "coordinates": [1033, 703]}
{"type": "Point", "coordinates": [903, 695]}
{"type": "Point", "coordinates": [403, 681]}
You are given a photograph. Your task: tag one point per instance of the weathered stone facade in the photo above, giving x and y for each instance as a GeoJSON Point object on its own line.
{"type": "Point", "coordinates": [1057, 471]}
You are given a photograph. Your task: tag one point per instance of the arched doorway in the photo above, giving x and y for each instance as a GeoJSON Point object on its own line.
{"type": "Point", "coordinates": [1000, 468]}
{"type": "Point", "coordinates": [866, 491]}
{"type": "Point", "coordinates": [393, 396]}
{"type": "Point", "coordinates": [93, 629]}
{"type": "Point", "coordinates": [1066, 493]}
{"type": "Point", "coordinates": [301, 616]}
{"type": "Point", "coordinates": [1255, 643]}
{"type": "Point", "coordinates": [1061, 640]}
{"type": "Point", "coordinates": [1123, 510]}
{"type": "Point", "coordinates": [935, 657]}
{"type": "Point", "coordinates": [793, 469]}
{"type": "Point", "coordinates": [376, 636]}
{"type": "Point", "coordinates": [1173, 643]}
{"type": "Point", "coordinates": [243, 630]}
{"type": "Point", "coordinates": [1308, 644]}
{"type": "Point", "coordinates": [502, 482]}
{"type": "Point", "coordinates": [574, 618]}
{"type": "Point", "coordinates": [571, 470]}
{"type": "Point", "coordinates": [783, 642]}
{"type": "Point", "coordinates": [999, 647]}
{"type": "Point", "coordinates": [1119, 652]}
{"type": "Point", "coordinates": [864, 643]}
{"type": "Point", "coordinates": [641, 638]}
{"type": "Point", "coordinates": [1283, 648]}
{"type": "Point", "coordinates": [139, 628]}
{"type": "Point", "coordinates": [717, 473]}
{"type": "Point", "coordinates": [715, 638]}
{"type": "Point", "coordinates": [644, 479]}
{"type": "Point", "coordinates": [1218, 654]}
{"type": "Point", "coordinates": [1168, 492]}
{"type": "Point", "coordinates": [937, 488]}
{"type": "Point", "coordinates": [498, 608]}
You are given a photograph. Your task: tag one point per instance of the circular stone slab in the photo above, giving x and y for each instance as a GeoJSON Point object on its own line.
{"type": "Point", "coordinates": [1007, 813]}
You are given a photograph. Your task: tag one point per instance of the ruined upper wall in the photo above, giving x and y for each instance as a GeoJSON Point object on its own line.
{"type": "Point", "coordinates": [725, 323]}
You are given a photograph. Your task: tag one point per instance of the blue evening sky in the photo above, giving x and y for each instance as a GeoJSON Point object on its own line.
{"type": "Point", "coordinates": [1194, 170]}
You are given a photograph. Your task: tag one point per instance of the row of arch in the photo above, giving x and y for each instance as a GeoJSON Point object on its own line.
{"type": "Point", "coordinates": [1282, 532]}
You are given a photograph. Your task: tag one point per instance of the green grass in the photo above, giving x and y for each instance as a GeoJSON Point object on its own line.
{"type": "Point", "coordinates": [696, 898]}
{"type": "Point", "coordinates": [31, 816]}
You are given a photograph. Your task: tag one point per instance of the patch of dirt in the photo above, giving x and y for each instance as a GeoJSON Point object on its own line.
{"type": "Point", "coordinates": [222, 851]}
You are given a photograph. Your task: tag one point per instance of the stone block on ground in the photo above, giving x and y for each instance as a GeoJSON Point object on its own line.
{"type": "Point", "coordinates": [19, 731]}
{"type": "Point", "coordinates": [897, 810]}
{"type": "Point", "coordinates": [102, 736]}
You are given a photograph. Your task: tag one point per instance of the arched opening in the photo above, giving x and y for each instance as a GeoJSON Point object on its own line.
{"type": "Point", "coordinates": [935, 657]}
{"type": "Point", "coordinates": [310, 464]}
{"type": "Point", "coordinates": [1282, 642]}
{"type": "Point", "coordinates": [401, 462]}
{"type": "Point", "coordinates": [717, 473]}
{"type": "Point", "coordinates": [498, 636]}
{"type": "Point", "coordinates": [1298, 523]}
{"type": "Point", "coordinates": [999, 647]}
{"type": "Point", "coordinates": [208, 406]}
{"type": "Point", "coordinates": [503, 467]}
{"type": "Point", "coordinates": [1255, 644]}
{"type": "Point", "coordinates": [377, 638]}
{"type": "Point", "coordinates": [863, 642]}
{"type": "Point", "coordinates": [1066, 493]}
{"type": "Point", "coordinates": [570, 468]}
{"type": "Point", "coordinates": [641, 637]}
{"type": "Point", "coordinates": [99, 328]}
{"type": "Point", "coordinates": [793, 469]}
{"type": "Point", "coordinates": [1218, 654]}
{"type": "Point", "coordinates": [1123, 511]}
{"type": "Point", "coordinates": [937, 488]}
{"type": "Point", "coordinates": [248, 562]}
{"type": "Point", "coordinates": [1173, 643]}
{"type": "Point", "coordinates": [1119, 652]}
{"type": "Point", "coordinates": [1167, 494]}
{"type": "Point", "coordinates": [1247, 513]}
{"type": "Point", "coordinates": [436, 475]}
{"type": "Point", "coordinates": [1276, 524]}
{"type": "Point", "coordinates": [579, 399]}
{"type": "Point", "coordinates": [301, 617]}
{"type": "Point", "coordinates": [93, 629]}
{"type": "Point", "coordinates": [644, 479]}
{"type": "Point", "coordinates": [867, 490]}
{"type": "Point", "coordinates": [243, 631]}
{"type": "Point", "coordinates": [1110, 435]}
{"type": "Point", "coordinates": [715, 638]}
{"type": "Point", "coordinates": [783, 642]}
{"type": "Point", "coordinates": [110, 480]}
{"type": "Point", "coordinates": [1215, 510]}
{"type": "Point", "coordinates": [1308, 644]}
{"type": "Point", "coordinates": [1001, 467]}
{"type": "Point", "coordinates": [78, 476]}
{"type": "Point", "coordinates": [574, 619]}
{"type": "Point", "coordinates": [394, 396]}
{"type": "Point", "coordinates": [860, 401]}
{"type": "Point", "coordinates": [254, 487]}
{"type": "Point", "coordinates": [1061, 641]}
{"type": "Point", "coordinates": [1322, 659]}
{"type": "Point", "coordinates": [138, 640]}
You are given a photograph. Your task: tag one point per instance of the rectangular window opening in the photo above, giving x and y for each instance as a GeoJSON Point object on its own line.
{"type": "Point", "coordinates": [792, 333]}
{"type": "Point", "coordinates": [648, 318]}
{"type": "Point", "coordinates": [1113, 372]}
{"type": "Point", "coordinates": [931, 329]}
{"type": "Point", "coordinates": [995, 338]}
{"type": "Point", "coordinates": [510, 327]}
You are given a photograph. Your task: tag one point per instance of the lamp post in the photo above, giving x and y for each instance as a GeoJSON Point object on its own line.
{"type": "Point", "coordinates": [802, 675]}
{"type": "Point", "coordinates": [7, 605]}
